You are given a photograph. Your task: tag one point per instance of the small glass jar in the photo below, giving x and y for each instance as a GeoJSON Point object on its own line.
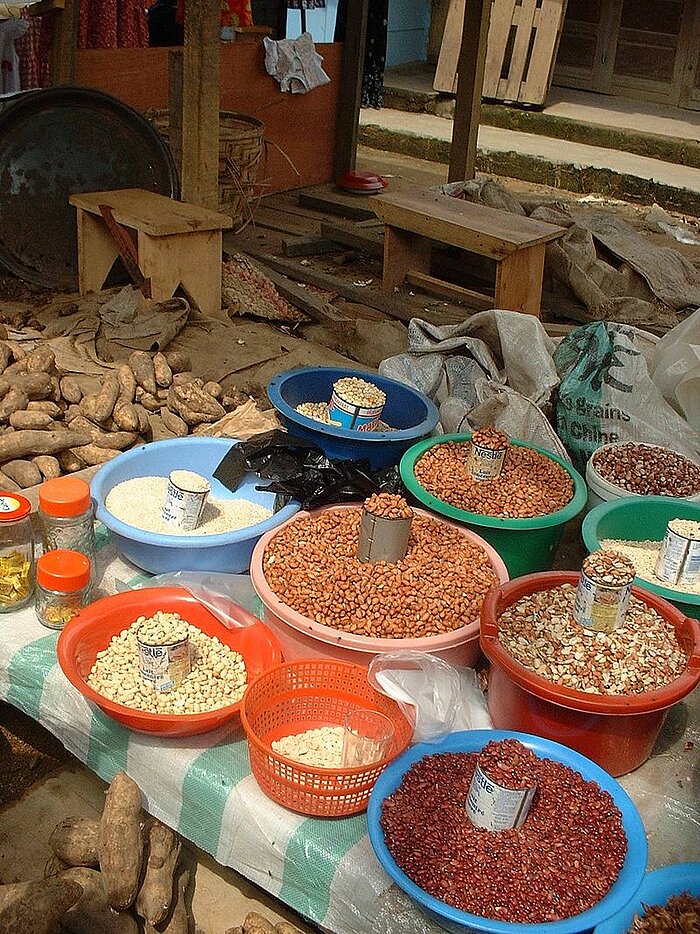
{"type": "Point", "coordinates": [66, 515]}
{"type": "Point", "coordinates": [62, 586]}
{"type": "Point", "coordinates": [16, 552]}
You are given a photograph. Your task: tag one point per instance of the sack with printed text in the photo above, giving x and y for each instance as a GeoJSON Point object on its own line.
{"type": "Point", "coordinates": [607, 395]}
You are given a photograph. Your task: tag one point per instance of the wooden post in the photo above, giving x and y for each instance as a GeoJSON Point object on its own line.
{"type": "Point", "coordinates": [175, 107]}
{"type": "Point", "coordinates": [200, 103]}
{"type": "Point", "coordinates": [470, 80]}
{"type": "Point", "coordinates": [65, 43]}
{"type": "Point", "coordinates": [351, 86]}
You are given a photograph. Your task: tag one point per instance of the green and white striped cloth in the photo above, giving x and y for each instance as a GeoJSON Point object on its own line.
{"type": "Point", "coordinates": [202, 786]}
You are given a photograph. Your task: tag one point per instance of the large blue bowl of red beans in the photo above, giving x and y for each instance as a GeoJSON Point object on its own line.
{"type": "Point", "coordinates": [578, 858]}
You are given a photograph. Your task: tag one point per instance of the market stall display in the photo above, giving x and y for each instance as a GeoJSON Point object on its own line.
{"type": "Point", "coordinates": [639, 523]}
{"type": "Point", "coordinates": [408, 413]}
{"type": "Point", "coordinates": [614, 709]}
{"type": "Point", "coordinates": [226, 537]}
{"type": "Point", "coordinates": [320, 599]}
{"type": "Point", "coordinates": [521, 512]}
{"type": "Point", "coordinates": [494, 877]}
{"type": "Point", "coordinates": [111, 678]}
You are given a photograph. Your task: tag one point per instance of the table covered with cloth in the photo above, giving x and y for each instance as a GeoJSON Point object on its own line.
{"type": "Point", "coordinates": [202, 786]}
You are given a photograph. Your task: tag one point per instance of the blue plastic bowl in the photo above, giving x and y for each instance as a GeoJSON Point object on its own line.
{"type": "Point", "coordinates": [459, 922]}
{"type": "Point", "coordinates": [656, 889]}
{"type": "Point", "coordinates": [227, 551]}
{"type": "Point", "coordinates": [409, 411]}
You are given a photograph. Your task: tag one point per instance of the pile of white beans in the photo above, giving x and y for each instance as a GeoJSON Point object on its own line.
{"type": "Point", "coordinates": [218, 677]}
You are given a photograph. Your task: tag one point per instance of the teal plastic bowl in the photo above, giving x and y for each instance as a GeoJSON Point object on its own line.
{"type": "Point", "coordinates": [656, 889]}
{"type": "Point", "coordinates": [639, 519]}
{"type": "Point", "coordinates": [526, 545]}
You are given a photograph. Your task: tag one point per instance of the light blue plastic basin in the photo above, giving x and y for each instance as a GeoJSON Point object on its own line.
{"type": "Point", "coordinates": [461, 922]}
{"type": "Point", "coordinates": [227, 551]}
{"type": "Point", "coordinates": [656, 889]}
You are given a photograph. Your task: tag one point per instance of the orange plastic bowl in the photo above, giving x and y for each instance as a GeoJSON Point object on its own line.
{"type": "Point", "coordinates": [91, 630]}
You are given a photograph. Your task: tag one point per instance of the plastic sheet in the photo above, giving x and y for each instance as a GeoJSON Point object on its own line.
{"type": "Point", "coordinates": [300, 470]}
{"type": "Point", "coordinates": [229, 597]}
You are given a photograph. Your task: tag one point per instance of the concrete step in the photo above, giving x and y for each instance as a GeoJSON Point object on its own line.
{"type": "Point", "coordinates": [559, 163]}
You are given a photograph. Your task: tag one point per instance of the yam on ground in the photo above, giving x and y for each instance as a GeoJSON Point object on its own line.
{"type": "Point", "coordinates": [71, 390]}
{"type": "Point", "coordinates": [47, 406]}
{"type": "Point", "coordinates": [194, 405]}
{"type": "Point", "coordinates": [149, 401]}
{"type": "Point", "coordinates": [178, 360]}
{"type": "Point", "coordinates": [162, 370]}
{"type": "Point", "coordinates": [69, 462]}
{"type": "Point", "coordinates": [214, 389]}
{"type": "Point", "coordinates": [113, 440]}
{"type": "Point", "coordinates": [142, 367]}
{"type": "Point", "coordinates": [144, 424]}
{"type": "Point", "coordinates": [127, 382]}
{"type": "Point", "coordinates": [18, 351]}
{"type": "Point", "coordinates": [92, 914]}
{"type": "Point", "coordinates": [55, 394]}
{"type": "Point", "coordinates": [41, 360]}
{"type": "Point", "coordinates": [5, 356]}
{"type": "Point", "coordinates": [35, 385]}
{"type": "Point", "coordinates": [92, 455]}
{"type": "Point", "coordinates": [120, 841]}
{"type": "Point", "coordinates": [48, 465]}
{"type": "Point", "coordinates": [98, 406]}
{"type": "Point", "coordinates": [14, 400]}
{"type": "Point", "coordinates": [8, 484]}
{"type": "Point", "coordinates": [125, 416]}
{"type": "Point", "coordinates": [180, 920]}
{"type": "Point", "coordinates": [25, 418]}
{"type": "Point", "coordinates": [284, 927]}
{"type": "Point", "coordinates": [159, 430]}
{"type": "Point", "coordinates": [54, 866]}
{"type": "Point", "coordinates": [24, 472]}
{"type": "Point", "coordinates": [182, 379]}
{"type": "Point", "coordinates": [19, 366]}
{"type": "Point", "coordinates": [255, 923]}
{"type": "Point", "coordinates": [19, 444]}
{"type": "Point", "coordinates": [174, 423]}
{"type": "Point", "coordinates": [74, 841]}
{"type": "Point", "coordinates": [36, 907]}
{"type": "Point", "coordinates": [158, 888]}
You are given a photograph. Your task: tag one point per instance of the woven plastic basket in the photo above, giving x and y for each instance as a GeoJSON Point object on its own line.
{"type": "Point", "coordinates": [304, 695]}
{"type": "Point", "coordinates": [240, 150]}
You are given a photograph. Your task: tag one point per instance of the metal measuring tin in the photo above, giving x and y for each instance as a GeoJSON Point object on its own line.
{"type": "Point", "coordinates": [679, 557]}
{"type": "Point", "coordinates": [487, 453]}
{"type": "Point", "coordinates": [356, 403]}
{"type": "Point", "coordinates": [385, 527]}
{"type": "Point", "coordinates": [495, 807]}
{"type": "Point", "coordinates": [604, 590]}
{"type": "Point", "coordinates": [164, 651]}
{"type": "Point", "coordinates": [185, 499]}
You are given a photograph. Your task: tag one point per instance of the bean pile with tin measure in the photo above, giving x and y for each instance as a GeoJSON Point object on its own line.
{"type": "Point", "coordinates": [530, 484]}
{"type": "Point", "coordinates": [561, 861]}
{"type": "Point", "coordinates": [218, 676]}
{"type": "Point", "coordinates": [648, 470]}
{"type": "Point", "coordinates": [312, 566]}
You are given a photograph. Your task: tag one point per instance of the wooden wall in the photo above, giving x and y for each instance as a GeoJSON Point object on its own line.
{"type": "Point", "coordinates": [299, 128]}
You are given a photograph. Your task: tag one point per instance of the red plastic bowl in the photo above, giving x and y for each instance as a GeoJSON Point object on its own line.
{"type": "Point", "coordinates": [91, 630]}
{"type": "Point", "coordinates": [617, 731]}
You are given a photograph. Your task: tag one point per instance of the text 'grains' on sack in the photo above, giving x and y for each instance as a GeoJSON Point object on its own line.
{"type": "Point", "coordinates": [530, 484]}
{"type": "Point", "coordinates": [218, 676]}
{"type": "Point", "coordinates": [138, 502]}
{"type": "Point", "coordinates": [641, 655]}
{"type": "Point", "coordinates": [311, 565]}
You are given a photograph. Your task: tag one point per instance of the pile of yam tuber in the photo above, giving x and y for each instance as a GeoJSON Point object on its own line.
{"type": "Point", "coordinates": [105, 875]}
{"type": "Point", "coordinates": [255, 923]}
{"type": "Point", "coordinates": [50, 426]}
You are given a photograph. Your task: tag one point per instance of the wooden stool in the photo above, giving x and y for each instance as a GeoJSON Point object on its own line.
{"type": "Point", "coordinates": [414, 219]}
{"type": "Point", "coordinates": [176, 243]}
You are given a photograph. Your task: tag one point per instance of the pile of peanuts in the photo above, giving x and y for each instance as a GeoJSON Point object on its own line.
{"type": "Point", "coordinates": [648, 470]}
{"type": "Point", "coordinates": [360, 392]}
{"type": "Point", "coordinates": [388, 506]}
{"type": "Point", "coordinates": [530, 484]}
{"type": "Point", "coordinates": [311, 565]}
{"type": "Point", "coordinates": [491, 438]}
{"type": "Point", "coordinates": [218, 676]}
{"type": "Point", "coordinates": [641, 655]}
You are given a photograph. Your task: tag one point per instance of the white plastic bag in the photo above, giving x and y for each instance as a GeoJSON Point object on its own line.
{"type": "Point", "coordinates": [436, 697]}
{"type": "Point", "coordinates": [675, 368]}
{"type": "Point", "coordinates": [229, 597]}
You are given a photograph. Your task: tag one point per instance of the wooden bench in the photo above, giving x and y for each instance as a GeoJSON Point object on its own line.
{"type": "Point", "coordinates": [177, 244]}
{"type": "Point", "coordinates": [415, 219]}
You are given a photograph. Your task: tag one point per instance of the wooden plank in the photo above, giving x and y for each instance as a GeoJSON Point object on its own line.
{"type": "Point", "coordinates": [519, 281]}
{"type": "Point", "coordinates": [448, 60]}
{"type": "Point", "coordinates": [175, 66]}
{"type": "Point", "coordinates": [65, 43]}
{"type": "Point", "coordinates": [313, 305]}
{"type": "Point", "coordinates": [357, 240]}
{"type": "Point", "coordinates": [463, 224]}
{"type": "Point", "coordinates": [470, 80]}
{"type": "Point", "coordinates": [509, 88]}
{"type": "Point", "coordinates": [549, 20]}
{"type": "Point", "coordinates": [351, 83]}
{"type": "Point", "coordinates": [151, 213]}
{"type": "Point", "coordinates": [200, 103]}
{"type": "Point", "coordinates": [403, 251]}
{"type": "Point", "coordinates": [308, 246]}
{"type": "Point", "coordinates": [331, 201]}
{"type": "Point", "coordinates": [448, 290]}
{"type": "Point", "coordinates": [499, 31]}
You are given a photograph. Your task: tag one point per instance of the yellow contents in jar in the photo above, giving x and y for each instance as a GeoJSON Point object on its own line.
{"type": "Point", "coordinates": [15, 578]}
{"type": "Point", "coordinates": [55, 614]}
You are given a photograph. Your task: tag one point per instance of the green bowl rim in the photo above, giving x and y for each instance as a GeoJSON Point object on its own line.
{"type": "Point", "coordinates": [673, 596]}
{"type": "Point", "coordinates": [572, 508]}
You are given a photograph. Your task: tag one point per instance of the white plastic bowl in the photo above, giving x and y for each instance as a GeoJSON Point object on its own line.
{"type": "Point", "coordinates": [602, 491]}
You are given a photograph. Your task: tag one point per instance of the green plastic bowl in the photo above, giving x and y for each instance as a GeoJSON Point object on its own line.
{"type": "Point", "coordinates": [526, 545]}
{"type": "Point", "coordinates": [640, 519]}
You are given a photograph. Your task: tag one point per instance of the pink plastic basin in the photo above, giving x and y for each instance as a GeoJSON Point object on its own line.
{"type": "Point", "coordinates": [301, 637]}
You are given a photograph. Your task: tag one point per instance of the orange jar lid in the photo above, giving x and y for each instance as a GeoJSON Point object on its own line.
{"type": "Point", "coordinates": [13, 506]}
{"type": "Point", "coordinates": [64, 496]}
{"type": "Point", "coordinates": [63, 570]}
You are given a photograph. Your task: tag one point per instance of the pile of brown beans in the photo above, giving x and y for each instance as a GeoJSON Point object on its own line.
{"type": "Point", "coordinates": [562, 861]}
{"type": "Point", "coordinates": [311, 565]}
{"type": "Point", "coordinates": [648, 470]}
{"type": "Point", "coordinates": [510, 764]}
{"type": "Point", "coordinates": [530, 484]}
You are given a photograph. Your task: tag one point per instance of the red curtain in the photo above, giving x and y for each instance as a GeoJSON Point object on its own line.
{"type": "Point", "coordinates": [111, 24]}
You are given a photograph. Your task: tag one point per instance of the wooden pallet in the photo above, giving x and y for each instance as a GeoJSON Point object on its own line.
{"type": "Point", "coordinates": [522, 46]}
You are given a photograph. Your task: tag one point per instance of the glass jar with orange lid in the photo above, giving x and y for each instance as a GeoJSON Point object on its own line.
{"type": "Point", "coordinates": [16, 551]}
{"type": "Point", "coordinates": [62, 586]}
{"type": "Point", "coordinates": [67, 517]}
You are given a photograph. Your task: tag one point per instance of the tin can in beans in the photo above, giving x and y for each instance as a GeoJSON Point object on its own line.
{"type": "Point", "coordinates": [356, 404]}
{"type": "Point", "coordinates": [185, 499]}
{"type": "Point", "coordinates": [164, 654]}
{"type": "Point", "coordinates": [495, 807]}
{"type": "Point", "coordinates": [679, 557]}
{"type": "Point", "coordinates": [603, 593]}
{"type": "Point", "coordinates": [487, 454]}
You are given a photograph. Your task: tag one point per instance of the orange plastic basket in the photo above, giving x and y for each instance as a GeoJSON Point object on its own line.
{"type": "Point", "coordinates": [304, 695]}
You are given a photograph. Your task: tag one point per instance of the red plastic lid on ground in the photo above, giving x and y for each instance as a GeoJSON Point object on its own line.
{"type": "Point", "coordinates": [362, 182]}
